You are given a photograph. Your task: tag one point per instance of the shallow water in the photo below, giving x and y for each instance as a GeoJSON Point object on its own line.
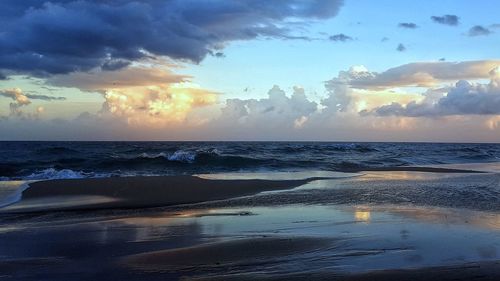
{"type": "Point", "coordinates": [340, 239]}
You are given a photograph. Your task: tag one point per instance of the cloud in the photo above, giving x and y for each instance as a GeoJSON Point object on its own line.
{"type": "Point", "coordinates": [408, 25]}
{"type": "Point", "coordinates": [24, 98]}
{"type": "Point", "coordinates": [219, 55]}
{"type": "Point", "coordinates": [401, 48]}
{"type": "Point", "coordinates": [145, 94]}
{"type": "Point", "coordinates": [19, 98]}
{"type": "Point", "coordinates": [111, 65]}
{"type": "Point", "coordinates": [17, 95]}
{"type": "Point", "coordinates": [340, 38]}
{"type": "Point", "coordinates": [451, 20]}
{"type": "Point", "coordinates": [464, 98]}
{"type": "Point", "coordinates": [278, 116]}
{"type": "Point", "coordinates": [479, 30]}
{"type": "Point", "coordinates": [421, 74]}
{"type": "Point", "coordinates": [133, 76]}
{"type": "Point", "coordinates": [44, 97]}
{"type": "Point", "coordinates": [64, 36]}
{"type": "Point", "coordinates": [155, 106]}
{"type": "Point", "coordinates": [277, 111]}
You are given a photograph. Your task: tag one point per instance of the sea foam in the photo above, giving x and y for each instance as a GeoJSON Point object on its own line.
{"type": "Point", "coordinates": [52, 173]}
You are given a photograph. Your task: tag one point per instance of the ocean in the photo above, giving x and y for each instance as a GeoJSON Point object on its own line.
{"type": "Point", "coordinates": [57, 160]}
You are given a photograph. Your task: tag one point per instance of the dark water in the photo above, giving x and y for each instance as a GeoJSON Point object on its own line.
{"type": "Point", "coordinates": [42, 160]}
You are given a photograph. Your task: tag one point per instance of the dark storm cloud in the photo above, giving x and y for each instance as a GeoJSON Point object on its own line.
{"type": "Point", "coordinates": [114, 64]}
{"type": "Point", "coordinates": [408, 25]}
{"type": "Point", "coordinates": [62, 36]}
{"type": "Point", "coordinates": [340, 38]}
{"type": "Point", "coordinates": [479, 30]}
{"type": "Point", "coordinates": [446, 19]}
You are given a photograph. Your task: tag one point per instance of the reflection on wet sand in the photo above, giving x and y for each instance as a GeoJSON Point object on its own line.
{"type": "Point", "coordinates": [395, 238]}
{"type": "Point", "coordinates": [362, 215]}
{"type": "Point", "coordinates": [209, 242]}
{"type": "Point", "coordinates": [487, 220]}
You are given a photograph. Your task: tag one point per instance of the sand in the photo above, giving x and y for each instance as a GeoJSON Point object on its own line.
{"type": "Point", "coordinates": [413, 169]}
{"type": "Point", "coordinates": [486, 271]}
{"type": "Point", "coordinates": [226, 253]}
{"type": "Point", "coordinates": [137, 192]}
{"type": "Point", "coordinates": [247, 252]}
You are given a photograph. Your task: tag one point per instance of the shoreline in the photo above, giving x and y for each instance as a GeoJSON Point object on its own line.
{"type": "Point", "coordinates": [415, 169]}
{"type": "Point", "coordinates": [163, 191]}
{"type": "Point", "coordinates": [138, 192]}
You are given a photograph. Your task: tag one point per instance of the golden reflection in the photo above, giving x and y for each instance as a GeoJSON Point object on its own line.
{"type": "Point", "coordinates": [407, 175]}
{"type": "Point", "coordinates": [362, 215]}
{"type": "Point", "coordinates": [446, 216]}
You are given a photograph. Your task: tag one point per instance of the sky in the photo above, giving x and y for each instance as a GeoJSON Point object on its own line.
{"type": "Point", "coordinates": [299, 70]}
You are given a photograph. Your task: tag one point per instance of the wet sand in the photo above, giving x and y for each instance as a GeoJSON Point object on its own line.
{"type": "Point", "coordinates": [273, 243]}
{"type": "Point", "coordinates": [487, 271]}
{"type": "Point", "coordinates": [312, 237]}
{"type": "Point", "coordinates": [138, 192]}
{"type": "Point", "coordinates": [413, 169]}
{"type": "Point", "coordinates": [226, 253]}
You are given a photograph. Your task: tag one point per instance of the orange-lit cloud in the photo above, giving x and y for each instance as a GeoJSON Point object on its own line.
{"type": "Point", "coordinates": [17, 95]}
{"type": "Point", "coordinates": [147, 94]}
{"type": "Point", "coordinates": [155, 106]}
{"type": "Point", "coordinates": [493, 123]}
{"type": "Point", "coordinates": [420, 74]}
{"type": "Point", "coordinates": [20, 99]}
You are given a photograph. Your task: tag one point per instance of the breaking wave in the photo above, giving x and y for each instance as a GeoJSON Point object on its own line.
{"type": "Point", "coordinates": [52, 173]}
{"type": "Point", "coordinates": [52, 160]}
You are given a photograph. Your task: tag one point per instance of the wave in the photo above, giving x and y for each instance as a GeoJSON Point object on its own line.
{"type": "Point", "coordinates": [52, 173]}
{"type": "Point", "coordinates": [177, 156]}
{"type": "Point", "coordinates": [344, 147]}
{"type": "Point", "coordinates": [201, 157]}
{"type": "Point", "coordinates": [71, 160]}
{"type": "Point", "coordinates": [348, 147]}
{"type": "Point", "coordinates": [14, 196]}
{"type": "Point", "coordinates": [183, 156]}
{"type": "Point", "coordinates": [56, 150]}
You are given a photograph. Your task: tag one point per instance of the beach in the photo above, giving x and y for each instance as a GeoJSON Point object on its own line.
{"type": "Point", "coordinates": [408, 224]}
{"type": "Point", "coordinates": [148, 140]}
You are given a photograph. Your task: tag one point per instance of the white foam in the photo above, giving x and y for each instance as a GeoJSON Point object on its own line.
{"type": "Point", "coordinates": [52, 173]}
{"type": "Point", "coordinates": [152, 156]}
{"type": "Point", "coordinates": [182, 156]}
